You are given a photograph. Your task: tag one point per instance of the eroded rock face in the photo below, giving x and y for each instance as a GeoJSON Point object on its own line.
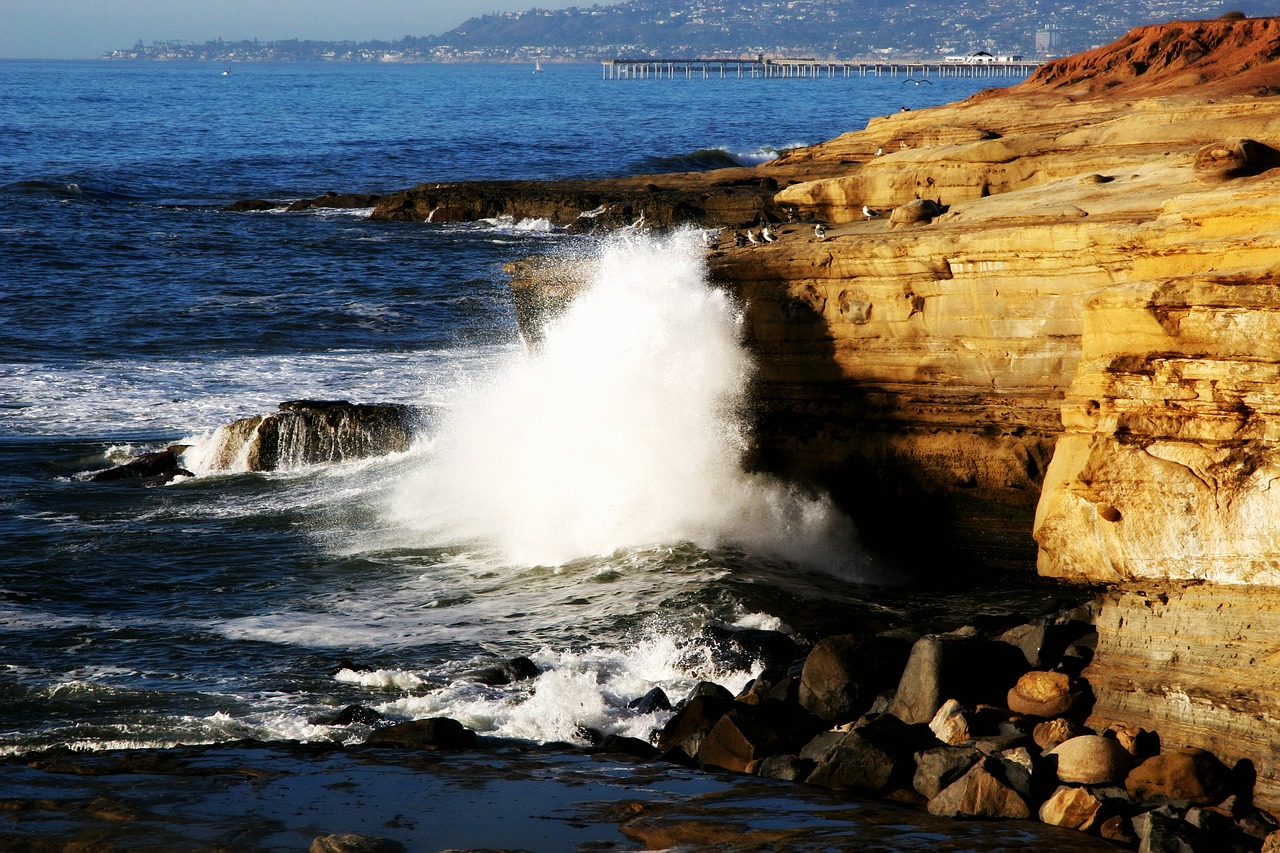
{"type": "Point", "coordinates": [1197, 664]}
{"type": "Point", "coordinates": [1170, 449]}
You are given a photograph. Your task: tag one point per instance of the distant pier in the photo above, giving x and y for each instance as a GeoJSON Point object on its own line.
{"type": "Point", "coordinates": [785, 69]}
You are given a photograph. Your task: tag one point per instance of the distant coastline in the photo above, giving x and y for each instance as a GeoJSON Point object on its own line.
{"type": "Point", "coordinates": [819, 29]}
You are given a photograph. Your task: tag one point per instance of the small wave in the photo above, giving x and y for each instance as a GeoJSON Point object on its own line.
{"type": "Point", "coordinates": [381, 679]}
{"type": "Point", "coordinates": [70, 191]}
{"type": "Point", "coordinates": [509, 223]}
{"type": "Point", "coordinates": [707, 159]}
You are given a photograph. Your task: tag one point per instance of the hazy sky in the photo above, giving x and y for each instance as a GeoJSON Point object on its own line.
{"type": "Point", "coordinates": [83, 29]}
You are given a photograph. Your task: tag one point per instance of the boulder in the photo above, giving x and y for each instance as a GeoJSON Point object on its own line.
{"type": "Point", "coordinates": [433, 733]}
{"type": "Point", "coordinates": [921, 211]}
{"type": "Point", "coordinates": [982, 792]}
{"type": "Point", "coordinates": [872, 759]}
{"type": "Point", "coordinates": [961, 665]}
{"type": "Point", "coordinates": [1042, 694]}
{"type": "Point", "coordinates": [951, 723]}
{"type": "Point", "coordinates": [651, 702]}
{"type": "Point", "coordinates": [740, 738]}
{"type": "Point", "coordinates": [1164, 833]}
{"type": "Point", "coordinates": [1051, 733]}
{"type": "Point", "coordinates": [1188, 775]}
{"type": "Point", "coordinates": [1091, 760]}
{"type": "Point", "coordinates": [844, 673]}
{"type": "Point", "coordinates": [155, 468]}
{"type": "Point", "coordinates": [1074, 808]}
{"type": "Point", "coordinates": [1018, 770]}
{"type": "Point", "coordinates": [707, 688]}
{"type": "Point", "coordinates": [309, 432]}
{"type": "Point", "coordinates": [1119, 829]}
{"type": "Point", "coordinates": [937, 768]}
{"type": "Point", "coordinates": [787, 768]}
{"type": "Point", "coordinates": [622, 745]}
{"type": "Point", "coordinates": [351, 842]}
{"type": "Point", "coordinates": [1138, 742]}
{"type": "Point", "coordinates": [691, 723]}
{"type": "Point", "coordinates": [506, 672]}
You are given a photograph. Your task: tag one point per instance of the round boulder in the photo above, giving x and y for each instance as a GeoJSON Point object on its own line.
{"type": "Point", "coordinates": [1042, 694]}
{"type": "Point", "coordinates": [921, 211]}
{"type": "Point", "coordinates": [1091, 760]}
{"type": "Point", "coordinates": [1192, 775]}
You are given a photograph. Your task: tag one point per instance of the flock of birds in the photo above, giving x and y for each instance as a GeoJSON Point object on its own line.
{"type": "Point", "coordinates": [767, 234]}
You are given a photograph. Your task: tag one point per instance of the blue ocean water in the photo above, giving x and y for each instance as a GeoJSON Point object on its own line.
{"type": "Point", "coordinates": [537, 516]}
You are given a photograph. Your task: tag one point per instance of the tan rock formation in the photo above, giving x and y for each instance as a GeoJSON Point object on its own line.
{"type": "Point", "coordinates": [927, 365]}
{"type": "Point", "coordinates": [1199, 665]}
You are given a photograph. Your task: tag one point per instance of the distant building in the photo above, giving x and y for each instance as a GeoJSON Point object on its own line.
{"type": "Point", "coordinates": [1050, 40]}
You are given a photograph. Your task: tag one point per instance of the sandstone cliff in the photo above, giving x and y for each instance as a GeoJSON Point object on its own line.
{"type": "Point", "coordinates": [919, 370]}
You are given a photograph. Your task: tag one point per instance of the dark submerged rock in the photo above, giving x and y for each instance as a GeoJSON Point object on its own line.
{"type": "Point", "coordinates": [622, 745]}
{"type": "Point", "coordinates": [651, 702]}
{"type": "Point", "coordinates": [507, 672]}
{"type": "Point", "coordinates": [433, 733]}
{"type": "Point", "coordinates": [156, 468]}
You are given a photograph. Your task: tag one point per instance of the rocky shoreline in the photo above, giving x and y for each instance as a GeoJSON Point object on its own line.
{"type": "Point", "coordinates": [967, 724]}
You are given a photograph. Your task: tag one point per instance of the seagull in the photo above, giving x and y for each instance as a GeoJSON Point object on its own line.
{"type": "Point", "coordinates": [739, 239]}
{"type": "Point", "coordinates": [819, 231]}
{"type": "Point", "coordinates": [879, 151]}
{"type": "Point", "coordinates": [791, 214]}
{"type": "Point", "coordinates": [752, 239]}
{"type": "Point", "coordinates": [769, 236]}
{"type": "Point", "coordinates": [871, 213]}
{"type": "Point", "coordinates": [918, 82]}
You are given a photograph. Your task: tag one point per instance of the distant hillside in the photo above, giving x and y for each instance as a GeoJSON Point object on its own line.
{"type": "Point", "coordinates": [836, 28]}
{"type": "Point", "coordinates": [843, 29]}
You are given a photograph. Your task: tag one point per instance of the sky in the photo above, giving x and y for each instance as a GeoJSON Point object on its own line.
{"type": "Point", "coordinates": [84, 29]}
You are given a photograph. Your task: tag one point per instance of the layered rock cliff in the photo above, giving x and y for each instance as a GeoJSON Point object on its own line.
{"type": "Point", "coordinates": [919, 370]}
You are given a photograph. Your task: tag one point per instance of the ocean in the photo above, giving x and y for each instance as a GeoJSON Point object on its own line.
{"type": "Point", "coordinates": [583, 504]}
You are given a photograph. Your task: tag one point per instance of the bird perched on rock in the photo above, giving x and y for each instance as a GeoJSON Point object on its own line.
{"type": "Point", "coordinates": [752, 238]}
{"type": "Point", "coordinates": [819, 231]}
{"type": "Point", "coordinates": [768, 235]}
{"type": "Point", "coordinates": [791, 214]}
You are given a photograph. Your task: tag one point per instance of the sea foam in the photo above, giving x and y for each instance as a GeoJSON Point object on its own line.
{"type": "Point", "coordinates": [623, 427]}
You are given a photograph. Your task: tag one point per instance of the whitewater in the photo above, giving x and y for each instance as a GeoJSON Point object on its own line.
{"type": "Point", "coordinates": [581, 501]}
